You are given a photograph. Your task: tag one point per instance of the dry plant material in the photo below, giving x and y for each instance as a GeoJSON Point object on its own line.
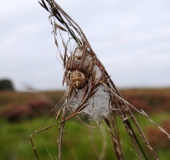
{"type": "Point", "coordinates": [90, 90]}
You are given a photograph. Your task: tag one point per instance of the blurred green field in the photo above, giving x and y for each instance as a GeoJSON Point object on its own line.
{"type": "Point", "coordinates": [79, 142]}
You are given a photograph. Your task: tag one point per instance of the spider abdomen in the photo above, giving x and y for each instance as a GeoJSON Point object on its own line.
{"type": "Point", "coordinates": [78, 79]}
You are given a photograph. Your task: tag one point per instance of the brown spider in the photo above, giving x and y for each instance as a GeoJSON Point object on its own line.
{"type": "Point", "coordinates": [78, 69]}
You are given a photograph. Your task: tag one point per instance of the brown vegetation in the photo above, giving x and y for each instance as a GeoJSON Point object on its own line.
{"type": "Point", "coordinates": [149, 100]}
{"type": "Point", "coordinates": [17, 106]}
{"type": "Point", "coordinates": [153, 134]}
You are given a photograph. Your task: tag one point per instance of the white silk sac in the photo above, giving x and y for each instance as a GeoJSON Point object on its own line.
{"type": "Point", "coordinates": [96, 105]}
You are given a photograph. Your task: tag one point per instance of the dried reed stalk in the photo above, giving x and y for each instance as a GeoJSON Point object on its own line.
{"type": "Point", "coordinates": [90, 90]}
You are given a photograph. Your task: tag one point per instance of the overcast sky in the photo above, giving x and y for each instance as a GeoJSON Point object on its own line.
{"type": "Point", "coordinates": [131, 38]}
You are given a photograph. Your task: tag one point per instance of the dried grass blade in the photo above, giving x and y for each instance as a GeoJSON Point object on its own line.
{"type": "Point", "coordinates": [43, 6]}
{"type": "Point", "coordinates": [64, 78]}
{"type": "Point", "coordinates": [61, 57]}
{"type": "Point", "coordinates": [92, 93]}
{"type": "Point", "coordinates": [85, 93]}
{"type": "Point", "coordinates": [63, 42]}
{"type": "Point", "coordinates": [56, 42]}
{"type": "Point", "coordinates": [69, 117]}
{"type": "Point", "coordinates": [60, 27]}
{"type": "Point", "coordinates": [83, 107]}
{"type": "Point", "coordinates": [107, 121]}
{"type": "Point", "coordinates": [65, 55]}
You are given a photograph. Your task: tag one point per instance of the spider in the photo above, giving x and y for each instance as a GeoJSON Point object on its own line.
{"type": "Point", "coordinates": [78, 69]}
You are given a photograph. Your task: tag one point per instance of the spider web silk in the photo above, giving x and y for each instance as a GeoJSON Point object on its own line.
{"type": "Point", "coordinates": [98, 105]}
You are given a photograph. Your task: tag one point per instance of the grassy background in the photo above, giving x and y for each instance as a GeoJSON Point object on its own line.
{"type": "Point", "coordinates": [79, 142]}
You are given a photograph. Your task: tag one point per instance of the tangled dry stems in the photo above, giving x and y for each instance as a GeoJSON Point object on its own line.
{"type": "Point", "coordinates": [90, 83]}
